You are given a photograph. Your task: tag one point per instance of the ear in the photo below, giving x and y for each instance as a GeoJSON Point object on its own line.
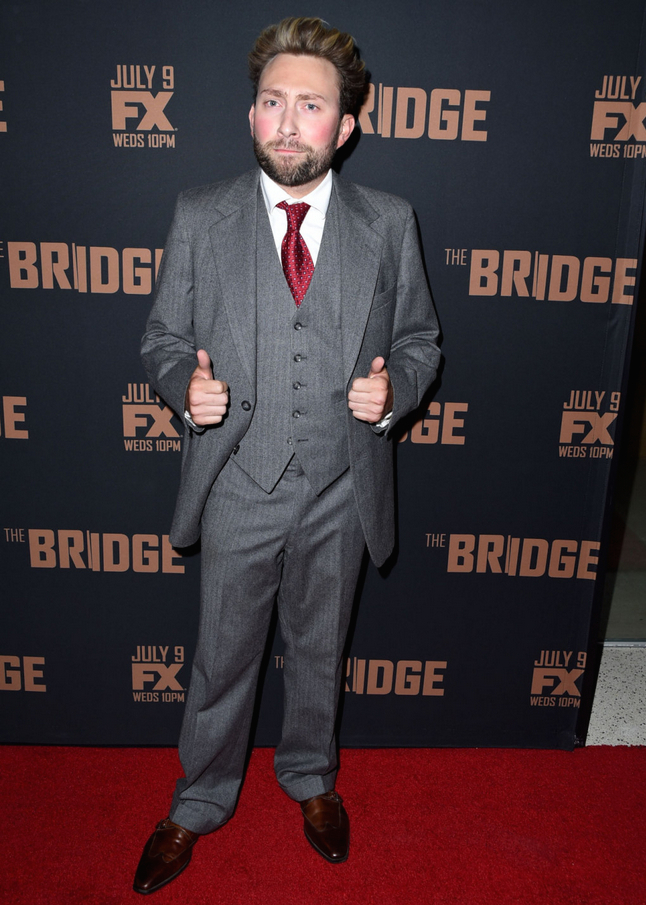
{"type": "Point", "coordinates": [346, 130]}
{"type": "Point", "coordinates": [252, 117]}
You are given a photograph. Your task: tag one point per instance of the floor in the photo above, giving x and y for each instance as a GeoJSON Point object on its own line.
{"type": "Point", "coordinates": [619, 709]}
{"type": "Point", "coordinates": [625, 603]}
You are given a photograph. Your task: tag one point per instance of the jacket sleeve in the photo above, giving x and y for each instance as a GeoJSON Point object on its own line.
{"type": "Point", "coordinates": [168, 345]}
{"type": "Point", "coordinates": [414, 355]}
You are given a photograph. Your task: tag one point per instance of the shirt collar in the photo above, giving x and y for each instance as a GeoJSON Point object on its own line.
{"type": "Point", "coordinates": [319, 198]}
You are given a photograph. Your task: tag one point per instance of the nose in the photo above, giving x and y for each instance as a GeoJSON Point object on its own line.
{"type": "Point", "coordinates": [287, 126]}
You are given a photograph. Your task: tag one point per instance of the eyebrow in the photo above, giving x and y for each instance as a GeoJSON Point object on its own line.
{"type": "Point", "coordinates": [308, 96]}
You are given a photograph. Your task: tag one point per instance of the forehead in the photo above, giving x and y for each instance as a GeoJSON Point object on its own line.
{"type": "Point", "coordinates": [291, 74]}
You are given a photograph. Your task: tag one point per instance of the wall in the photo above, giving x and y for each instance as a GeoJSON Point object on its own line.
{"type": "Point", "coordinates": [517, 132]}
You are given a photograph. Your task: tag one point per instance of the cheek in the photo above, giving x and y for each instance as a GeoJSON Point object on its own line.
{"type": "Point", "coordinates": [321, 134]}
{"type": "Point", "coordinates": [264, 129]}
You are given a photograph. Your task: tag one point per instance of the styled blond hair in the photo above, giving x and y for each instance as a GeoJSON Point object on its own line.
{"type": "Point", "coordinates": [312, 37]}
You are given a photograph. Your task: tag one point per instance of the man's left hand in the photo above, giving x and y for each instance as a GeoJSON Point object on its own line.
{"type": "Point", "coordinates": [371, 398]}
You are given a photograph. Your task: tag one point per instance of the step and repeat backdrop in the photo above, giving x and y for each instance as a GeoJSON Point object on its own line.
{"type": "Point", "coordinates": [518, 133]}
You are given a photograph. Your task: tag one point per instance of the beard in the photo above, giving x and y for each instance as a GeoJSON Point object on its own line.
{"type": "Point", "coordinates": [288, 172]}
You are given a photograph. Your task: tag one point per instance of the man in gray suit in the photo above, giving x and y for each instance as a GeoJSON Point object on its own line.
{"type": "Point", "coordinates": [292, 328]}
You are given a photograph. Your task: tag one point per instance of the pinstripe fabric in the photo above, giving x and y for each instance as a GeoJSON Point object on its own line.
{"type": "Point", "coordinates": [306, 549]}
{"type": "Point", "coordinates": [206, 298]}
{"type": "Point", "coordinates": [303, 541]}
{"type": "Point", "coordinates": [301, 402]}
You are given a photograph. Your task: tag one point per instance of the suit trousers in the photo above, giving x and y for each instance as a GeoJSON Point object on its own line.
{"type": "Point", "coordinates": [304, 552]}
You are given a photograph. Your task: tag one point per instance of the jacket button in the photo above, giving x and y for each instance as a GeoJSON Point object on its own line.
{"type": "Point", "coordinates": [236, 449]}
{"type": "Point", "coordinates": [246, 406]}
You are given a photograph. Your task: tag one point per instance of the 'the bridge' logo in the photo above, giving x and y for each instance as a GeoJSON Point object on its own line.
{"type": "Point", "coordinates": [441, 114]}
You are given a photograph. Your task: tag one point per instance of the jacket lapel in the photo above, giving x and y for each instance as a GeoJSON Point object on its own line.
{"type": "Point", "coordinates": [233, 242]}
{"type": "Point", "coordinates": [361, 248]}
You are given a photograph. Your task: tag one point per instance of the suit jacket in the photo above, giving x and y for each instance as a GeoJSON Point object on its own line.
{"type": "Point", "coordinates": [206, 298]}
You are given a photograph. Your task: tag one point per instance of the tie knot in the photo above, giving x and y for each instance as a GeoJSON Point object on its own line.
{"type": "Point", "coordinates": [295, 213]}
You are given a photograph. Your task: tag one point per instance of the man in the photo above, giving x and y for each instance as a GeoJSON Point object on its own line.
{"type": "Point", "coordinates": [290, 379]}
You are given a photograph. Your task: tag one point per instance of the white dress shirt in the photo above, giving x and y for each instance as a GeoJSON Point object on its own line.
{"type": "Point", "coordinates": [312, 227]}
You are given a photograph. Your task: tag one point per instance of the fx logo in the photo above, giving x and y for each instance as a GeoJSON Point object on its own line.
{"type": "Point", "coordinates": [126, 105]}
{"type": "Point", "coordinates": [577, 423]}
{"type": "Point", "coordinates": [136, 417]}
{"type": "Point", "coordinates": [143, 673]}
{"type": "Point", "coordinates": [607, 115]}
{"type": "Point", "coordinates": [548, 676]}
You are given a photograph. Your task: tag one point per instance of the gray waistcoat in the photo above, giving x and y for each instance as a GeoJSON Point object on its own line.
{"type": "Point", "coordinates": [301, 400]}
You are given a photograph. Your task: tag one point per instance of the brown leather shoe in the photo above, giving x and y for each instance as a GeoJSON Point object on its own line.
{"type": "Point", "coordinates": [165, 856]}
{"type": "Point", "coordinates": [327, 827]}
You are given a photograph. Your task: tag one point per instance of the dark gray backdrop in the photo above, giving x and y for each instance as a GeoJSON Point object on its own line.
{"type": "Point", "coordinates": [516, 131]}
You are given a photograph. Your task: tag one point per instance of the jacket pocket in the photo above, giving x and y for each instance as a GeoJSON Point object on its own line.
{"type": "Point", "coordinates": [384, 298]}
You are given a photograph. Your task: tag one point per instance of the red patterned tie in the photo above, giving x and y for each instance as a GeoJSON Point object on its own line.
{"type": "Point", "coordinates": [295, 255]}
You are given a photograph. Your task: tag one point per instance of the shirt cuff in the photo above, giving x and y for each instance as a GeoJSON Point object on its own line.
{"type": "Point", "coordinates": [193, 426]}
{"type": "Point", "coordinates": [383, 424]}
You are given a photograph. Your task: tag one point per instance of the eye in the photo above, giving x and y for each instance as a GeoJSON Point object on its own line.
{"type": "Point", "coordinates": [311, 106]}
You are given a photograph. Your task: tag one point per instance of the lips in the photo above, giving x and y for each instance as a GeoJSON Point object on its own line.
{"type": "Point", "coordinates": [298, 149]}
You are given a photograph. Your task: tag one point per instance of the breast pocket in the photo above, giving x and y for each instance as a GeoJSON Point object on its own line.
{"type": "Point", "coordinates": [381, 299]}
{"type": "Point", "coordinates": [378, 335]}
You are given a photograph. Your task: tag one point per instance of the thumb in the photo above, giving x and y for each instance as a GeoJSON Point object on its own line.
{"type": "Point", "coordinates": [377, 366]}
{"type": "Point", "coordinates": [204, 364]}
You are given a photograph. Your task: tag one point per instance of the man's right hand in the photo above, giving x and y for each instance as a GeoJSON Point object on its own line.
{"type": "Point", "coordinates": [207, 399]}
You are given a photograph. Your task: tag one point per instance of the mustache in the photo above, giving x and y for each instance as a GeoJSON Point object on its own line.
{"type": "Point", "coordinates": [287, 146]}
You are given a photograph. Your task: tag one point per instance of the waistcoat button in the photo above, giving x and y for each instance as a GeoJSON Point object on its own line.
{"type": "Point", "coordinates": [298, 326]}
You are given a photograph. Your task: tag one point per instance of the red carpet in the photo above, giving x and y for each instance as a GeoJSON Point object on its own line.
{"type": "Point", "coordinates": [447, 827]}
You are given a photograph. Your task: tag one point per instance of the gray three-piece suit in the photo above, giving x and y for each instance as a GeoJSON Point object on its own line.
{"type": "Point", "coordinates": [289, 488]}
